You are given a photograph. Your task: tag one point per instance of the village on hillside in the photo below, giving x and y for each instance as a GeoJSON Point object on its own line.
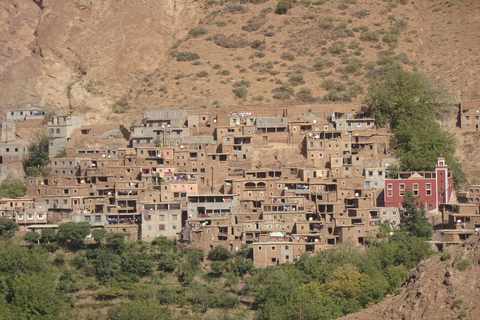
{"type": "Point", "coordinates": [283, 180]}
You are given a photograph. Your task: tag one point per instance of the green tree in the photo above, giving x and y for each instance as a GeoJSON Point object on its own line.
{"type": "Point", "coordinates": [99, 235]}
{"type": "Point", "coordinates": [32, 237]}
{"type": "Point", "coordinates": [219, 253]}
{"type": "Point", "coordinates": [38, 153]}
{"type": "Point", "coordinates": [7, 228]}
{"type": "Point", "coordinates": [415, 216]}
{"type": "Point", "coordinates": [72, 234]}
{"type": "Point", "coordinates": [138, 310]}
{"type": "Point", "coordinates": [116, 242]}
{"type": "Point", "coordinates": [12, 188]}
{"type": "Point", "coordinates": [165, 245]}
{"type": "Point", "coordinates": [409, 103]}
{"type": "Point", "coordinates": [34, 296]}
{"type": "Point", "coordinates": [106, 264]}
{"type": "Point", "coordinates": [48, 235]}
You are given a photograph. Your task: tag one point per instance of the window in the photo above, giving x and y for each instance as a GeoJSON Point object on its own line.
{"type": "Point", "coordinates": [174, 227]}
{"type": "Point", "coordinates": [394, 213]}
{"type": "Point", "coordinates": [274, 260]}
{"type": "Point", "coordinates": [389, 186]}
{"type": "Point", "coordinates": [20, 216]}
{"type": "Point", "coordinates": [30, 216]}
{"type": "Point", "coordinates": [259, 248]}
{"type": "Point", "coordinates": [149, 228]}
{"type": "Point", "coordinates": [467, 117]}
{"type": "Point", "coordinates": [384, 213]}
{"type": "Point", "coordinates": [174, 217]}
{"type": "Point", "coordinates": [40, 216]}
{"type": "Point", "coordinates": [161, 217]}
{"type": "Point", "coordinates": [415, 189]}
{"type": "Point", "coordinates": [98, 218]}
{"type": "Point", "coordinates": [161, 227]}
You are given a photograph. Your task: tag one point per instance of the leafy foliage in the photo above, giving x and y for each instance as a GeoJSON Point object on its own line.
{"type": "Point", "coordinates": [7, 228]}
{"type": "Point", "coordinates": [407, 102]}
{"type": "Point", "coordinates": [415, 216]}
{"type": "Point", "coordinates": [12, 188]}
{"type": "Point", "coordinates": [73, 234]}
{"type": "Point", "coordinates": [38, 153]}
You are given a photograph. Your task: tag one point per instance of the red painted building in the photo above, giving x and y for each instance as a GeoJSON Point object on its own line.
{"type": "Point", "coordinates": [431, 188]}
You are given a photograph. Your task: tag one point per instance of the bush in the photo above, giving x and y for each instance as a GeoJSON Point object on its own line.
{"type": "Point", "coordinates": [391, 40]}
{"type": "Point", "coordinates": [327, 23]}
{"type": "Point", "coordinates": [32, 237]}
{"type": "Point", "coordinates": [219, 253]}
{"type": "Point", "coordinates": [225, 72]}
{"type": "Point", "coordinates": [463, 264]}
{"type": "Point", "coordinates": [283, 6]}
{"type": "Point", "coordinates": [121, 106]}
{"type": "Point", "coordinates": [288, 56]}
{"type": "Point", "coordinates": [59, 260]}
{"type": "Point", "coordinates": [372, 36]}
{"type": "Point", "coordinates": [446, 256]}
{"type": "Point", "coordinates": [254, 24]}
{"type": "Point", "coordinates": [240, 92]}
{"type": "Point", "coordinates": [187, 56]}
{"type": "Point", "coordinates": [296, 79]}
{"type": "Point", "coordinates": [232, 42]}
{"type": "Point", "coordinates": [330, 84]}
{"type": "Point", "coordinates": [197, 32]}
{"type": "Point", "coordinates": [202, 74]}
{"type": "Point", "coordinates": [259, 54]}
{"type": "Point", "coordinates": [256, 44]}
{"type": "Point", "coordinates": [109, 293]}
{"type": "Point", "coordinates": [337, 48]}
{"type": "Point", "coordinates": [236, 9]}
{"type": "Point", "coordinates": [283, 93]}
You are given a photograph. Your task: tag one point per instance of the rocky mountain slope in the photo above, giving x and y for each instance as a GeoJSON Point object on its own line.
{"type": "Point", "coordinates": [436, 289]}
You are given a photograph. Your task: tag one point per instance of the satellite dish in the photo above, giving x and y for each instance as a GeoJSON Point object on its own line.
{"type": "Point", "coordinates": [314, 121]}
{"type": "Point", "coordinates": [310, 219]}
{"type": "Point", "coordinates": [356, 194]}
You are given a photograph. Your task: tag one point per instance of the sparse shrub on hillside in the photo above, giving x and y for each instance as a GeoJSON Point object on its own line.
{"type": "Point", "coordinates": [343, 6]}
{"type": "Point", "coordinates": [287, 56]}
{"type": "Point", "coordinates": [337, 48]}
{"type": "Point", "coordinates": [463, 264]}
{"type": "Point", "coordinates": [334, 95]}
{"type": "Point", "coordinates": [309, 16]}
{"type": "Point", "coordinates": [259, 54]}
{"type": "Point", "coordinates": [187, 56]}
{"type": "Point", "coordinates": [197, 32]}
{"type": "Point", "coordinates": [296, 79]}
{"type": "Point", "coordinates": [327, 22]}
{"type": "Point", "coordinates": [391, 40]}
{"type": "Point", "coordinates": [372, 36]}
{"type": "Point", "coordinates": [305, 95]}
{"type": "Point", "coordinates": [330, 84]}
{"type": "Point", "coordinates": [256, 44]}
{"type": "Point", "coordinates": [360, 14]}
{"type": "Point", "coordinates": [236, 8]}
{"type": "Point", "coordinates": [225, 73]}
{"type": "Point", "coordinates": [221, 23]}
{"type": "Point", "coordinates": [254, 24]}
{"type": "Point", "coordinates": [240, 92]}
{"type": "Point", "coordinates": [284, 92]}
{"type": "Point", "coordinates": [202, 74]}
{"type": "Point", "coordinates": [253, 1]}
{"type": "Point", "coordinates": [446, 256]}
{"type": "Point", "coordinates": [319, 64]}
{"type": "Point", "coordinates": [283, 6]}
{"type": "Point", "coordinates": [233, 41]}
{"type": "Point", "coordinates": [370, 65]}
{"type": "Point", "coordinates": [352, 67]}
{"type": "Point", "coordinates": [242, 83]}
{"type": "Point", "coordinates": [120, 106]}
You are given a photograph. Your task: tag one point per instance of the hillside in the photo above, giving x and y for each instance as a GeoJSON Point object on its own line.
{"type": "Point", "coordinates": [84, 55]}
{"type": "Point", "coordinates": [436, 289]}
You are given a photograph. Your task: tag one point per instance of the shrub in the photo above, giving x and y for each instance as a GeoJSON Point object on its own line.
{"type": "Point", "coordinates": [202, 74]}
{"type": "Point", "coordinates": [327, 23]}
{"type": "Point", "coordinates": [352, 67]}
{"type": "Point", "coordinates": [319, 64]}
{"type": "Point", "coordinates": [225, 72]}
{"type": "Point", "coordinates": [59, 260]}
{"type": "Point", "coordinates": [197, 32]}
{"type": "Point", "coordinates": [219, 253]}
{"type": "Point", "coordinates": [256, 44]}
{"type": "Point", "coordinates": [236, 8]}
{"type": "Point", "coordinates": [391, 40]}
{"type": "Point", "coordinates": [288, 56]}
{"type": "Point", "coordinates": [336, 48]}
{"type": "Point", "coordinates": [283, 93]}
{"type": "Point", "coordinates": [254, 24]}
{"type": "Point", "coordinates": [109, 293]}
{"type": "Point", "coordinates": [330, 84]}
{"type": "Point", "coordinates": [370, 65]}
{"type": "Point", "coordinates": [463, 264]}
{"type": "Point", "coordinates": [121, 106]}
{"type": "Point", "coordinates": [233, 41]}
{"type": "Point", "coordinates": [259, 54]}
{"type": "Point", "coordinates": [296, 79]}
{"type": "Point", "coordinates": [240, 92]}
{"type": "Point", "coordinates": [283, 6]}
{"type": "Point", "coordinates": [372, 36]}
{"type": "Point", "coordinates": [446, 256]}
{"type": "Point", "coordinates": [187, 56]}
{"type": "Point", "coordinates": [305, 95]}
{"type": "Point", "coordinates": [221, 23]}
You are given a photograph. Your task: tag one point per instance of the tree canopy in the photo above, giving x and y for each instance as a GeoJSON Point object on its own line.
{"type": "Point", "coordinates": [38, 153]}
{"type": "Point", "coordinates": [7, 228]}
{"type": "Point", "coordinates": [12, 188]}
{"type": "Point", "coordinates": [409, 103]}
